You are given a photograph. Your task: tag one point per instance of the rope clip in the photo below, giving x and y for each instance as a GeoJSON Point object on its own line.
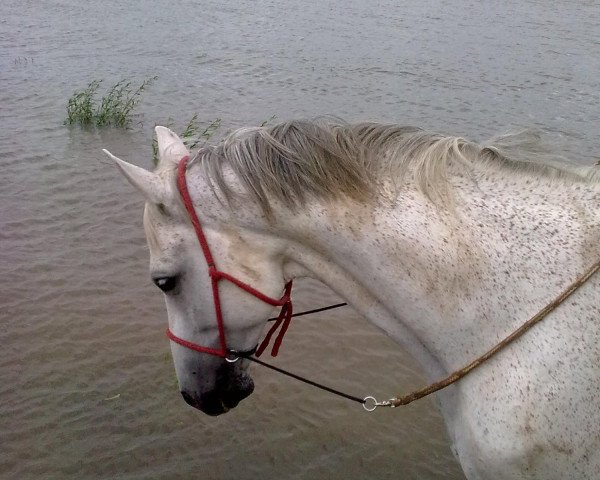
{"type": "Point", "coordinates": [370, 403]}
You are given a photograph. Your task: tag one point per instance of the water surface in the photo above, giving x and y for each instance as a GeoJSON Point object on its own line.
{"type": "Point", "coordinates": [87, 386]}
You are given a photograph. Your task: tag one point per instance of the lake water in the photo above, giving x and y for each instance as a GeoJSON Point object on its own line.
{"type": "Point", "coordinates": [87, 386]}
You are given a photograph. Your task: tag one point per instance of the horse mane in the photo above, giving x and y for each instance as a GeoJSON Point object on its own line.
{"type": "Point", "coordinates": [298, 159]}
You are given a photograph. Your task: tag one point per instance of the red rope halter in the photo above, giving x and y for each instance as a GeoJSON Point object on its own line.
{"type": "Point", "coordinates": [285, 302]}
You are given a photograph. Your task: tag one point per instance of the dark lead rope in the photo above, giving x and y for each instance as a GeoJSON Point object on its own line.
{"type": "Point", "coordinates": [248, 356]}
{"type": "Point", "coordinates": [316, 310]}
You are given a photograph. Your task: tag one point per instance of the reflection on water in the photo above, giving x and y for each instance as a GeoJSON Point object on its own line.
{"type": "Point", "coordinates": [88, 389]}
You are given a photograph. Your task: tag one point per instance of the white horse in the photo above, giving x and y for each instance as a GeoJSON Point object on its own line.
{"type": "Point", "coordinates": [445, 245]}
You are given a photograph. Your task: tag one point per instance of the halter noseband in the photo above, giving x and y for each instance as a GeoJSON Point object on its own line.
{"type": "Point", "coordinates": [285, 302]}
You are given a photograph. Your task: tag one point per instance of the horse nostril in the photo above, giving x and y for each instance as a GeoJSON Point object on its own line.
{"type": "Point", "coordinates": [220, 399]}
{"type": "Point", "coordinates": [188, 399]}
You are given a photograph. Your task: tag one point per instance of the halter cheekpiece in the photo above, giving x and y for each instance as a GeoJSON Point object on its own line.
{"type": "Point", "coordinates": [216, 275]}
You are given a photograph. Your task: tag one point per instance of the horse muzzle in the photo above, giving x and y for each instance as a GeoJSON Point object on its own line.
{"type": "Point", "coordinates": [224, 397]}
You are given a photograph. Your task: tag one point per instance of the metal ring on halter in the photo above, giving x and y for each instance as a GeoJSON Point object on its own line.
{"type": "Point", "coordinates": [232, 356]}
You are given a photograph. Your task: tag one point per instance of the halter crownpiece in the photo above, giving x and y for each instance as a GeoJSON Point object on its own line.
{"type": "Point", "coordinates": [285, 302]}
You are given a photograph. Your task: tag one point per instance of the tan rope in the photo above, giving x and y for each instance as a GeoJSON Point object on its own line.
{"type": "Point", "coordinates": [458, 374]}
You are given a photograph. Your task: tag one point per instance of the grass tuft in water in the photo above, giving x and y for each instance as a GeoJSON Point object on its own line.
{"type": "Point", "coordinates": [268, 120]}
{"type": "Point", "coordinates": [114, 108]}
{"type": "Point", "coordinates": [81, 105]}
{"type": "Point", "coordinates": [192, 136]}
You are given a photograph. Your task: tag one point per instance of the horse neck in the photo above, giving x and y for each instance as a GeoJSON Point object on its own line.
{"type": "Point", "coordinates": [449, 286]}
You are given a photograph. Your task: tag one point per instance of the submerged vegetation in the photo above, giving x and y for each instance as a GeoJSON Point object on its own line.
{"type": "Point", "coordinates": [114, 108]}
{"type": "Point", "coordinates": [192, 135]}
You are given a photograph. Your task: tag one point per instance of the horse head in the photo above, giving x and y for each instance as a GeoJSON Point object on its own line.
{"type": "Point", "coordinates": [180, 268]}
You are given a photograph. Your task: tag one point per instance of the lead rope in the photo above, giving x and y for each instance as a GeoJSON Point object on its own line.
{"type": "Point", "coordinates": [300, 378]}
{"type": "Point", "coordinates": [308, 312]}
{"type": "Point", "coordinates": [369, 403]}
{"type": "Point", "coordinates": [458, 374]}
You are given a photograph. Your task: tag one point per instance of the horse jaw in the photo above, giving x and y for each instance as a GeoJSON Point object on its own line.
{"type": "Point", "coordinates": [170, 147]}
{"type": "Point", "coordinates": [150, 184]}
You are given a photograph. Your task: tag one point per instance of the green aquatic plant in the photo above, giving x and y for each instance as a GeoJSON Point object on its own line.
{"type": "Point", "coordinates": [117, 105]}
{"type": "Point", "coordinates": [268, 120]}
{"type": "Point", "coordinates": [114, 108]}
{"type": "Point", "coordinates": [81, 106]}
{"type": "Point", "coordinates": [193, 135]}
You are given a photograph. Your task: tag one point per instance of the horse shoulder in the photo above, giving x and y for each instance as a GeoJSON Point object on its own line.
{"type": "Point", "coordinates": [534, 411]}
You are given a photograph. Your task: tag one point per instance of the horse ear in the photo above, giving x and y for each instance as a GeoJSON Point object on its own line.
{"type": "Point", "coordinates": [170, 146]}
{"type": "Point", "coordinates": [150, 184]}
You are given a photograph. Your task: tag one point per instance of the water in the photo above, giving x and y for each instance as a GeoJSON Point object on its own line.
{"type": "Point", "coordinates": [87, 387]}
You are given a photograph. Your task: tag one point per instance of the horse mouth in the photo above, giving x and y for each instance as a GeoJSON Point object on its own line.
{"type": "Point", "coordinates": [219, 401]}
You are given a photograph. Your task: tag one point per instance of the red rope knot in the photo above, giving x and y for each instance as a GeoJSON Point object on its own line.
{"type": "Point", "coordinates": [283, 321]}
{"type": "Point", "coordinates": [214, 273]}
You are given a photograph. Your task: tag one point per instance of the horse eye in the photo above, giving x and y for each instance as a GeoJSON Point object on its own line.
{"type": "Point", "coordinates": [166, 284]}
